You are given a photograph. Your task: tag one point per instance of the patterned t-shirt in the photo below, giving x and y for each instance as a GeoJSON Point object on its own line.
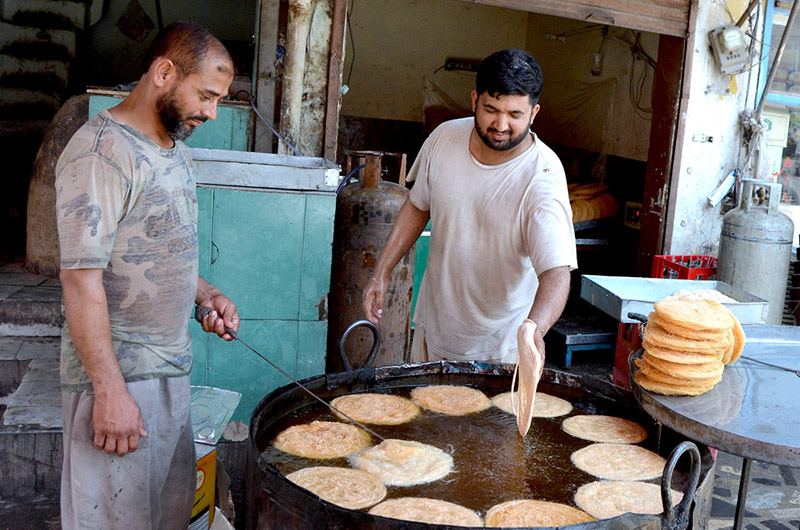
{"type": "Point", "coordinates": [128, 206]}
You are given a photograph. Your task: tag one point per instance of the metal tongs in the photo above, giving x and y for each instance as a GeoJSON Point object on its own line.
{"type": "Point", "coordinates": [199, 314]}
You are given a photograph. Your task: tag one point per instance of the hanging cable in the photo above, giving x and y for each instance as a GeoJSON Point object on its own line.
{"type": "Point", "coordinates": [276, 133]}
{"type": "Point", "coordinates": [352, 43]}
{"type": "Point", "coordinates": [345, 180]}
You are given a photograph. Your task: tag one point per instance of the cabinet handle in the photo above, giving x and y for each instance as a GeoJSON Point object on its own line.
{"type": "Point", "coordinates": [213, 256]}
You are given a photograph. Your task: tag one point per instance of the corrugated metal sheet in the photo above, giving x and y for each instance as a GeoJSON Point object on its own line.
{"type": "Point", "coordinates": [667, 17]}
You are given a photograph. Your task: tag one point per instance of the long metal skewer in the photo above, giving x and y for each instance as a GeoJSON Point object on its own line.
{"type": "Point", "coordinates": [796, 372]}
{"type": "Point", "coordinates": [201, 311]}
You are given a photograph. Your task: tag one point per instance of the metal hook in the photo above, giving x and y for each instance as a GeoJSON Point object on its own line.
{"type": "Point", "coordinates": [376, 344]}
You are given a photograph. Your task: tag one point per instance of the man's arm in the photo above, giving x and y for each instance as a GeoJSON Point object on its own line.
{"type": "Point", "coordinates": [407, 227]}
{"type": "Point", "coordinates": [116, 416]}
{"type": "Point", "coordinates": [223, 311]}
{"type": "Point", "coordinates": [551, 297]}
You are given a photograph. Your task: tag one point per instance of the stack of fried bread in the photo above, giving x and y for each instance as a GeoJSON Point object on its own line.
{"type": "Point", "coordinates": [687, 344]}
{"type": "Point", "coordinates": [590, 201]}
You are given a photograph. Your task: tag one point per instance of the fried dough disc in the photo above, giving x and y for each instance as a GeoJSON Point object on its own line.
{"type": "Point", "coordinates": [545, 406]}
{"type": "Point", "coordinates": [533, 513]}
{"type": "Point", "coordinates": [668, 389]}
{"type": "Point", "coordinates": [686, 333]}
{"type": "Point", "coordinates": [676, 356]}
{"type": "Point", "coordinates": [657, 375]}
{"type": "Point", "coordinates": [379, 409]}
{"type": "Point", "coordinates": [655, 334]}
{"type": "Point", "coordinates": [599, 428]}
{"type": "Point", "coordinates": [404, 463]}
{"type": "Point", "coordinates": [618, 462]}
{"type": "Point", "coordinates": [701, 294]}
{"type": "Point", "coordinates": [430, 511]}
{"type": "Point", "coordinates": [609, 499]}
{"type": "Point", "coordinates": [728, 353]}
{"type": "Point", "coordinates": [695, 314]}
{"type": "Point", "coordinates": [348, 488]}
{"type": "Point", "coordinates": [707, 370]}
{"type": "Point", "coordinates": [450, 399]}
{"type": "Point", "coordinates": [738, 340]}
{"type": "Point", "coordinates": [322, 439]}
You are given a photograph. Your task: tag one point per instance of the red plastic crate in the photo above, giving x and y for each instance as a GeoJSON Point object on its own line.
{"type": "Point", "coordinates": [688, 267]}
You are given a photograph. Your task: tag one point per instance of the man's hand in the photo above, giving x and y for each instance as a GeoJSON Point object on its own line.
{"type": "Point", "coordinates": [223, 315]}
{"type": "Point", "coordinates": [223, 312]}
{"type": "Point", "coordinates": [118, 423]}
{"type": "Point", "coordinates": [374, 295]}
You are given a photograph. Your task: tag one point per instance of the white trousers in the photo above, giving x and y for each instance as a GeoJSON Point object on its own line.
{"type": "Point", "coordinates": [150, 489]}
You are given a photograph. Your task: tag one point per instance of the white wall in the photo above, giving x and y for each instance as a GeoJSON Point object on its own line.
{"type": "Point", "coordinates": [397, 42]}
{"type": "Point", "coordinates": [583, 110]}
{"type": "Point", "coordinates": [715, 103]}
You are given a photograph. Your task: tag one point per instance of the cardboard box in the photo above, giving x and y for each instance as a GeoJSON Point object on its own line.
{"type": "Point", "coordinates": [203, 508]}
{"type": "Point", "coordinates": [211, 410]}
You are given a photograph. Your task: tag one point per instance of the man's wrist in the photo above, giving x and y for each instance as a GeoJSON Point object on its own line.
{"type": "Point", "coordinates": [543, 325]}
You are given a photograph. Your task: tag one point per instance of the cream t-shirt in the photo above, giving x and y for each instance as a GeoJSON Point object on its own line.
{"type": "Point", "coordinates": [493, 230]}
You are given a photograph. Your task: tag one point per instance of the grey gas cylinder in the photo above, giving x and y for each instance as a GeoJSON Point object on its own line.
{"type": "Point", "coordinates": [365, 213]}
{"type": "Point", "coordinates": [756, 244]}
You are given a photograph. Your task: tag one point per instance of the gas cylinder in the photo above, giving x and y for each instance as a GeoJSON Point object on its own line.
{"type": "Point", "coordinates": [755, 246]}
{"type": "Point", "coordinates": [365, 213]}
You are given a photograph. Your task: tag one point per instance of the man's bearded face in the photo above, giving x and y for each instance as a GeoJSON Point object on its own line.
{"type": "Point", "coordinates": [174, 118]}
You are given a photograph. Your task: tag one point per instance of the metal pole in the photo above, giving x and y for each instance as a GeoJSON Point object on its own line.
{"type": "Point", "coordinates": [746, 13]}
{"type": "Point", "coordinates": [773, 69]}
{"type": "Point", "coordinates": [741, 499]}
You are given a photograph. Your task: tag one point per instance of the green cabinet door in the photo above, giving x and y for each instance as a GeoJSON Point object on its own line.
{"type": "Point", "coordinates": [317, 249]}
{"type": "Point", "coordinates": [232, 366]}
{"type": "Point", "coordinates": [258, 241]}
{"type": "Point", "coordinates": [270, 252]}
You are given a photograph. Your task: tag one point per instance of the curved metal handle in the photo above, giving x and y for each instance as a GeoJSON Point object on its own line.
{"type": "Point", "coordinates": [638, 316]}
{"type": "Point", "coordinates": [376, 344]}
{"type": "Point", "coordinates": [677, 518]}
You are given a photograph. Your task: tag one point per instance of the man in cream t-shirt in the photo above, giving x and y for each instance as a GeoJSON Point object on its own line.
{"type": "Point", "coordinates": [502, 243]}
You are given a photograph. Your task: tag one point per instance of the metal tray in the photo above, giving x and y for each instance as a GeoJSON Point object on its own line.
{"type": "Point", "coordinates": [617, 296]}
{"type": "Point", "coordinates": [211, 409]}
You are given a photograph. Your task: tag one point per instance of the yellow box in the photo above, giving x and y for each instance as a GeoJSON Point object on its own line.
{"type": "Point", "coordinates": [203, 509]}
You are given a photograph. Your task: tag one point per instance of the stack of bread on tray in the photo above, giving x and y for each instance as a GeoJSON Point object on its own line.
{"type": "Point", "coordinates": [687, 344]}
{"type": "Point", "coordinates": [590, 201]}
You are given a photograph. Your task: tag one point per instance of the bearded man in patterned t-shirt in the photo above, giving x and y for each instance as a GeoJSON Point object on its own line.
{"type": "Point", "coordinates": [127, 223]}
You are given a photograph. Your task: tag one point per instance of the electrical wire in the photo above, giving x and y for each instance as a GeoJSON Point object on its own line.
{"type": "Point", "coordinates": [271, 128]}
{"type": "Point", "coordinates": [578, 31]}
{"type": "Point", "coordinates": [636, 85]}
{"type": "Point", "coordinates": [352, 42]}
{"type": "Point", "coordinates": [345, 180]}
{"type": "Point", "coordinates": [728, 10]}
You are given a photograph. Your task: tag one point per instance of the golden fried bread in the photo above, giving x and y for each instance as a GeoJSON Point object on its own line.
{"type": "Point", "coordinates": [707, 315]}
{"type": "Point", "coordinates": [600, 428]}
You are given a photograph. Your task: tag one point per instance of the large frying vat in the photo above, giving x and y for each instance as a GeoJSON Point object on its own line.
{"type": "Point", "coordinates": [282, 505]}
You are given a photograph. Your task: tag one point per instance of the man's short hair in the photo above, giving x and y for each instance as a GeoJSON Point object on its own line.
{"type": "Point", "coordinates": [510, 73]}
{"type": "Point", "coordinates": [187, 44]}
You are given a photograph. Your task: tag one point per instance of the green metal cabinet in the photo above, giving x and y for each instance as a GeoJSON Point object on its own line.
{"type": "Point", "coordinates": [228, 131]}
{"type": "Point", "coordinates": [265, 229]}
